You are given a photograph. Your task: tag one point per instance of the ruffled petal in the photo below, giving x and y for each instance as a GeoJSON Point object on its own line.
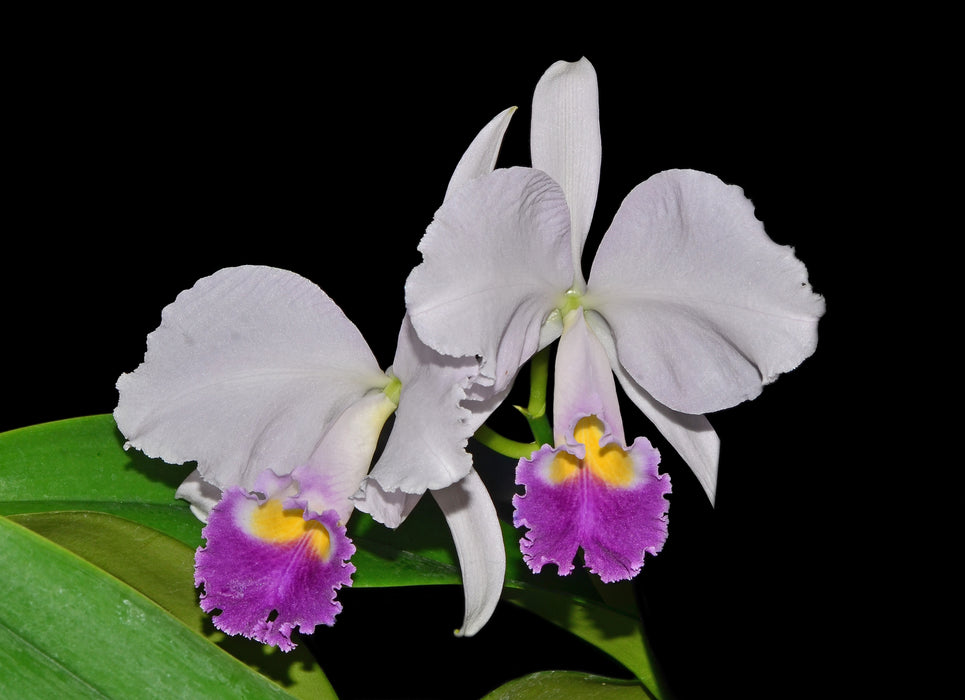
{"type": "Point", "coordinates": [496, 261]}
{"type": "Point", "coordinates": [480, 158]}
{"type": "Point", "coordinates": [616, 512]}
{"type": "Point", "coordinates": [245, 372]}
{"type": "Point", "coordinates": [427, 446]}
{"type": "Point", "coordinates": [269, 569]}
{"type": "Point", "coordinates": [704, 307]}
{"type": "Point", "coordinates": [478, 538]}
{"type": "Point", "coordinates": [692, 436]}
{"type": "Point", "coordinates": [565, 140]}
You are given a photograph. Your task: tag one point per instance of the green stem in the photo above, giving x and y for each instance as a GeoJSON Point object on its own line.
{"type": "Point", "coordinates": [535, 412]}
{"type": "Point", "coordinates": [503, 445]}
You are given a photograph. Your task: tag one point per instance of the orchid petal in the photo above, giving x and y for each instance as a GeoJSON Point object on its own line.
{"type": "Point", "coordinates": [704, 307]}
{"type": "Point", "coordinates": [480, 158]}
{"type": "Point", "coordinates": [427, 446]}
{"type": "Point", "coordinates": [333, 473]}
{"type": "Point", "coordinates": [244, 373]}
{"type": "Point", "coordinates": [496, 261]}
{"type": "Point", "coordinates": [583, 383]}
{"type": "Point", "coordinates": [200, 494]}
{"type": "Point", "coordinates": [390, 508]}
{"type": "Point", "coordinates": [691, 436]}
{"type": "Point", "coordinates": [268, 569]}
{"type": "Point", "coordinates": [478, 538]}
{"type": "Point", "coordinates": [565, 140]}
{"type": "Point", "coordinates": [608, 499]}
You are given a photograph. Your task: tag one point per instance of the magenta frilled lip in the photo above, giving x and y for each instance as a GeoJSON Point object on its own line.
{"type": "Point", "coordinates": [610, 502]}
{"type": "Point", "coordinates": [268, 567]}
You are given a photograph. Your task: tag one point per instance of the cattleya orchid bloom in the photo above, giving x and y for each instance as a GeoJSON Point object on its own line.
{"type": "Point", "coordinates": [590, 490]}
{"type": "Point", "coordinates": [257, 375]}
{"type": "Point", "coordinates": [695, 306]}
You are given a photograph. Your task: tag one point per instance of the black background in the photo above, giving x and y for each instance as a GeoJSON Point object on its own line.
{"type": "Point", "coordinates": [149, 154]}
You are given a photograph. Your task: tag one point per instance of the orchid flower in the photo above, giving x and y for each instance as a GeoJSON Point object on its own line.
{"type": "Point", "coordinates": [590, 490]}
{"type": "Point", "coordinates": [258, 376]}
{"type": "Point", "coordinates": [695, 307]}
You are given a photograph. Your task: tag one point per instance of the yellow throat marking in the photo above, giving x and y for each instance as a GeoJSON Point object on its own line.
{"type": "Point", "coordinates": [611, 463]}
{"type": "Point", "coordinates": [272, 522]}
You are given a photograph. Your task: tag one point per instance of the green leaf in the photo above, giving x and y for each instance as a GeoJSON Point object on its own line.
{"type": "Point", "coordinates": [80, 464]}
{"type": "Point", "coordinates": [548, 685]}
{"type": "Point", "coordinates": [68, 629]}
{"type": "Point", "coordinates": [160, 568]}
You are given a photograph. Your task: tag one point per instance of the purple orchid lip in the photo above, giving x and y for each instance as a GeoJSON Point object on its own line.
{"type": "Point", "coordinates": [268, 569]}
{"type": "Point", "coordinates": [609, 502]}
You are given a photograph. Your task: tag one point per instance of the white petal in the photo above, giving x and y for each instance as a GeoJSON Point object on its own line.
{"type": "Point", "coordinates": [245, 372]}
{"type": "Point", "coordinates": [390, 508]}
{"type": "Point", "coordinates": [200, 494]}
{"type": "Point", "coordinates": [565, 138]}
{"type": "Point", "coordinates": [427, 446]}
{"type": "Point", "coordinates": [690, 435]}
{"type": "Point", "coordinates": [496, 261]}
{"type": "Point", "coordinates": [583, 385]}
{"type": "Point", "coordinates": [480, 158]}
{"type": "Point", "coordinates": [344, 456]}
{"type": "Point", "coordinates": [705, 308]}
{"type": "Point", "coordinates": [478, 538]}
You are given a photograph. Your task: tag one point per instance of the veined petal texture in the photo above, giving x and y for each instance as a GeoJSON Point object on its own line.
{"type": "Point", "coordinates": [427, 446]}
{"type": "Point", "coordinates": [480, 158]}
{"type": "Point", "coordinates": [268, 568]}
{"type": "Point", "coordinates": [476, 533]}
{"type": "Point", "coordinates": [496, 261]}
{"type": "Point", "coordinates": [583, 383]}
{"type": "Point", "coordinates": [565, 139]}
{"type": "Point", "coordinates": [245, 372]}
{"type": "Point", "coordinates": [692, 436]}
{"type": "Point", "coordinates": [704, 308]}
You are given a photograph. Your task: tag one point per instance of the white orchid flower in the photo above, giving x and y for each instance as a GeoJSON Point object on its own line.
{"type": "Point", "coordinates": [258, 376]}
{"type": "Point", "coordinates": [695, 306]}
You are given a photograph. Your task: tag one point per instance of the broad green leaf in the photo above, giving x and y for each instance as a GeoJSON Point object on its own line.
{"type": "Point", "coordinates": [80, 464]}
{"type": "Point", "coordinates": [160, 568]}
{"type": "Point", "coordinates": [68, 629]}
{"type": "Point", "coordinates": [549, 685]}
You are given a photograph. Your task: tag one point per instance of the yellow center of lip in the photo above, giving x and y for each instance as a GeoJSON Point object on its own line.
{"type": "Point", "coordinates": [610, 463]}
{"type": "Point", "coordinates": [272, 522]}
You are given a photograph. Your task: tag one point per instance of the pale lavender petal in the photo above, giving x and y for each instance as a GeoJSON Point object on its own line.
{"type": "Point", "coordinates": [200, 494]}
{"type": "Point", "coordinates": [704, 307]}
{"type": "Point", "coordinates": [427, 446]}
{"type": "Point", "coordinates": [335, 470]}
{"type": "Point", "coordinates": [265, 588]}
{"type": "Point", "coordinates": [565, 139]}
{"type": "Point", "coordinates": [245, 372]}
{"type": "Point", "coordinates": [692, 436]}
{"type": "Point", "coordinates": [480, 158]}
{"type": "Point", "coordinates": [390, 508]}
{"type": "Point", "coordinates": [583, 384]}
{"type": "Point", "coordinates": [496, 262]}
{"type": "Point", "coordinates": [478, 537]}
